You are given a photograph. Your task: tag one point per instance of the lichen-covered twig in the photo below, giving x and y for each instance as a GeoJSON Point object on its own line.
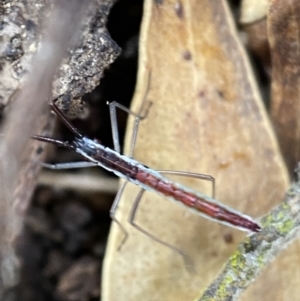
{"type": "Point", "coordinates": [280, 227]}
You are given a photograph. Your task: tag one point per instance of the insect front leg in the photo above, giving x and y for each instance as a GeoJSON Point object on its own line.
{"type": "Point", "coordinates": [142, 114]}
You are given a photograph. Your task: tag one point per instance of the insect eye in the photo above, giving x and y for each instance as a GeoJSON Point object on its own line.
{"type": "Point", "coordinates": [97, 140]}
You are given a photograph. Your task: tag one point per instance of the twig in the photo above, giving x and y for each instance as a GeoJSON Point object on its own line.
{"type": "Point", "coordinates": [79, 182]}
{"type": "Point", "coordinates": [22, 120]}
{"type": "Point", "coordinates": [280, 227]}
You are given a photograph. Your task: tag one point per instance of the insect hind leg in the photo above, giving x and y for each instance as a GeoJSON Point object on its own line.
{"type": "Point", "coordinates": [187, 260]}
{"type": "Point", "coordinates": [199, 176]}
{"type": "Point", "coordinates": [113, 214]}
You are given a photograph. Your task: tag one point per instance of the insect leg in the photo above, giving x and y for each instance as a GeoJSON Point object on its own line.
{"type": "Point", "coordinates": [138, 117]}
{"type": "Point", "coordinates": [113, 210]}
{"type": "Point", "coordinates": [192, 175]}
{"type": "Point", "coordinates": [69, 165]}
{"type": "Point", "coordinates": [187, 260]}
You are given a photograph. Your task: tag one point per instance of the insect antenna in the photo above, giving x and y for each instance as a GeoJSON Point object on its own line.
{"type": "Point", "coordinates": [66, 122]}
{"type": "Point", "coordinates": [60, 143]}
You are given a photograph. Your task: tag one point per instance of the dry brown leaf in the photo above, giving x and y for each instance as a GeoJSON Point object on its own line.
{"type": "Point", "coordinates": [207, 116]}
{"type": "Point", "coordinates": [279, 280]}
{"type": "Point", "coordinates": [257, 42]}
{"type": "Point", "coordinates": [253, 10]}
{"type": "Point", "coordinates": [284, 24]}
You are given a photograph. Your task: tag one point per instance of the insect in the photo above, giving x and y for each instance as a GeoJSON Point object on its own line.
{"type": "Point", "coordinates": [132, 171]}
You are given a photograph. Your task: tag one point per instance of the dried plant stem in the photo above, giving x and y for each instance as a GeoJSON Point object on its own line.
{"type": "Point", "coordinates": [21, 121]}
{"type": "Point", "coordinates": [280, 227]}
{"type": "Point", "coordinates": [79, 182]}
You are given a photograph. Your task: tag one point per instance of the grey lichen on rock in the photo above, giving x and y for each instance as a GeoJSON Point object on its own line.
{"type": "Point", "coordinates": [21, 27]}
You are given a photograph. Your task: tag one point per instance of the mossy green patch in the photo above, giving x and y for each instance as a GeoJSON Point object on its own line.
{"type": "Point", "coordinates": [285, 227]}
{"type": "Point", "coordinates": [237, 261]}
